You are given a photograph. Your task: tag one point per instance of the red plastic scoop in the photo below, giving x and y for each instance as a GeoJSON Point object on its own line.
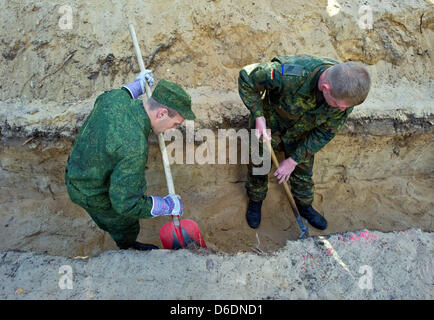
{"type": "Point", "coordinates": [184, 234]}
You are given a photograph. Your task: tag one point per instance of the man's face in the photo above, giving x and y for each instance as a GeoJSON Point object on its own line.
{"type": "Point", "coordinates": [336, 103]}
{"type": "Point", "coordinates": [163, 122]}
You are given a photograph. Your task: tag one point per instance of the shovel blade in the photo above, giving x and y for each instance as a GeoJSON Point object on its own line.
{"type": "Point", "coordinates": [187, 235]}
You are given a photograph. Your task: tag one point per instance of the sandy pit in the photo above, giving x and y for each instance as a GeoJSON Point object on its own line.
{"type": "Point", "coordinates": [379, 183]}
{"type": "Point", "coordinates": [374, 181]}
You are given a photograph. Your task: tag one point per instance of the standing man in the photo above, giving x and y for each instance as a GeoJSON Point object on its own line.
{"type": "Point", "coordinates": [305, 101]}
{"type": "Point", "coordinates": [105, 172]}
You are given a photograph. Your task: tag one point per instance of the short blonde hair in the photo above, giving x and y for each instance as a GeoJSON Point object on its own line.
{"type": "Point", "coordinates": [349, 81]}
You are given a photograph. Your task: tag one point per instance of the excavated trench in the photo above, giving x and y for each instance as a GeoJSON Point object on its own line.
{"type": "Point", "coordinates": [375, 182]}
{"type": "Point", "coordinates": [377, 174]}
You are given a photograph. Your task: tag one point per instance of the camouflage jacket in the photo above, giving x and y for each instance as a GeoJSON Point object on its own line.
{"type": "Point", "coordinates": [106, 166]}
{"type": "Point", "coordinates": [291, 90]}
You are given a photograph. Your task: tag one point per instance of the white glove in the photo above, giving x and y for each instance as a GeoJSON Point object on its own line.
{"type": "Point", "coordinates": [146, 75]}
{"type": "Point", "coordinates": [169, 205]}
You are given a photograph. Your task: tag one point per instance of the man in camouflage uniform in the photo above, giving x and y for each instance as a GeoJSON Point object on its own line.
{"type": "Point", "coordinates": [304, 100]}
{"type": "Point", "coordinates": [105, 172]}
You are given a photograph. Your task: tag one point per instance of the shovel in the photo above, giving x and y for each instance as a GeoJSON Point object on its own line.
{"type": "Point", "coordinates": [178, 233]}
{"type": "Point", "coordinates": [304, 230]}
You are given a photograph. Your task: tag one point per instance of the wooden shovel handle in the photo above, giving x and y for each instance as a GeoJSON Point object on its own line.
{"type": "Point", "coordinates": [285, 184]}
{"type": "Point", "coordinates": [166, 165]}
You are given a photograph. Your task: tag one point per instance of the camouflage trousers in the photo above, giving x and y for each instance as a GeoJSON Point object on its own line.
{"type": "Point", "coordinates": [302, 187]}
{"type": "Point", "coordinates": [123, 230]}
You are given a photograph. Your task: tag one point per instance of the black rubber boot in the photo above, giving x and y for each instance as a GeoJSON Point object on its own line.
{"type": "Point", "coordinates": [315, 219]}
{"type": "Point", "coordinates": [253, 214]}
{"type": "Point", "coordinates": [143, 246]}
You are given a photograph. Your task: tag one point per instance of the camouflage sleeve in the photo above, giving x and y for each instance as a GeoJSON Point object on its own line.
{"type": "Point", "coordinates": [127, 188]}
{"type": "Point", "coordinates": [252, 82]}
{"type": "Point", "coordinates": [316, 139]}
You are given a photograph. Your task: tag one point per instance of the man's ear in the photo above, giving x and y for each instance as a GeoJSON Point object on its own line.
{"type": "Point", "coordinates": [325, 86]}
{"type": "Point", "coordinates": [161, 113]}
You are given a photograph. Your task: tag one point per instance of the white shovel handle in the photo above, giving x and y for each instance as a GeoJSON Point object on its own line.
{"type": "Point", "coordinates": [166, 165]}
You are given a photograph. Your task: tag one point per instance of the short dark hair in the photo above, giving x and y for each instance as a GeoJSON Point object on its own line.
{"type": "Point", "coordinates": [349, 81]}
{"type": "Point", "coordinates": [154, 105]}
